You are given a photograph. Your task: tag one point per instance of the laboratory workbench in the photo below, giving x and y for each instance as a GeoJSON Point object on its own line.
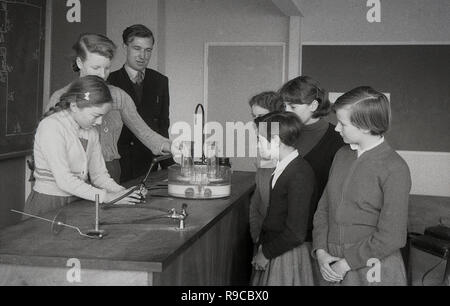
{"type": "Point", "coordinates": [214, 248]}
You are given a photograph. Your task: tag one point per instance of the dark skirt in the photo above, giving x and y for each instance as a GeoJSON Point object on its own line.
{"type": "Point", "coordinates": [39, 204]}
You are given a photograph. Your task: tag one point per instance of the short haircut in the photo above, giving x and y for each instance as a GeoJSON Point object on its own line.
{"type": "Point", "coordinates": [269, 100]}
{"type": "Point", "coordinates": [136, 30]}
{"type": "Point", "coordinates": [369, 109]}
{"type": "Point", "coordinates": [305, 90]}
{"type": "Point", "coordinates": [92, 43]}
{"type": "Point", "coordinates": [289, 126]}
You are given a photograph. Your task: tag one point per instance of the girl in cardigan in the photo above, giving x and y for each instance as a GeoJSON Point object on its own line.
{"type": "Point", "coordinates": [261, 105]}
{"type": "Point", "coordinates": [360, 223]}
{"type": "Point", "coordinates": [67, 150]}
{"type": "Point", "coordinates": [283, 258]}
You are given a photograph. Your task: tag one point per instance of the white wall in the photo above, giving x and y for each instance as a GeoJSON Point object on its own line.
{"type": "Point", "coordinates": [182, 27]}
{"type": "Point", "coordinates": [340, 21]}
{"type": "Point", "coordinates": [121, 14]}
{"type": "Point", "coordinates": [190, 24]}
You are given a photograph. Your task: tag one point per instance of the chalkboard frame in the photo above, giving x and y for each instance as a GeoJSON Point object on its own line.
{"type": "Point", "coordinates": [17, 144]}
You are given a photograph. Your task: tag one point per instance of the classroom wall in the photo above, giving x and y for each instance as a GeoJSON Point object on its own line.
{"type": "Point", "coordinates": [403, 22]}
{"type": "Point", "coordinates": [191, 24]}
{"type": "Point", "coordinates": [342, 21]}
{"type": "Point", "coordinates": [182, 34]}
{"type": "Point", "coordinates": [417, 82]}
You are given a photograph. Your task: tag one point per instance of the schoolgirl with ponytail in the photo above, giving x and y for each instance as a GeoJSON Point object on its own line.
{"type": "Point", "coordinates": [67, 150]}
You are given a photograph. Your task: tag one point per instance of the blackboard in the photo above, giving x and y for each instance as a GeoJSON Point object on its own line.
{"type": "Point", "coordinates": [416, 76]}
{"type": "Point", "coordinates": [22, 32]}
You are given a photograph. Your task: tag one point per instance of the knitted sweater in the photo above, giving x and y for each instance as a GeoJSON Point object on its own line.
{"type": "Point", "coordinates": [311, 135]}
{"type": "Point", "coordinates": [364, 207]}
{"type": "Point", "coordinates": [321, 156]}
{"type": "Point", "coordinates": [63, 164]}
{"type": "Point", "coordinates": [123, 111]}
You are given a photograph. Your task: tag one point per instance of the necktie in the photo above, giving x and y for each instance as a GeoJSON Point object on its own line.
{"type": "Point", "coordinates": [271, 180]}
{"type": "Point", "coordinates": [139, 77]}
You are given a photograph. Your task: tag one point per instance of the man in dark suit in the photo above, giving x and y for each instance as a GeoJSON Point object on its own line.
{"type": "Point", "coordinates": [150, 92]}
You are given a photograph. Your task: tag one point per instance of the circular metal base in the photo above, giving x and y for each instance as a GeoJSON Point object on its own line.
{"type": "Point", "coordinates": [97, 234]}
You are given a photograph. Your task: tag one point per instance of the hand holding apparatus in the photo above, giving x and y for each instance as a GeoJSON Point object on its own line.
{"type": "Point", "coordinates": [177, 151]}
{"type": "Point", "coordinates": [166, 148]}
{"type": "Point", "coordinates": [128, 197]}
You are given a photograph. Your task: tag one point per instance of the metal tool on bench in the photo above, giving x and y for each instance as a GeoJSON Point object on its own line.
{"type": "Point", "coordinates": [58, 224]}
{"type": "Point", "coordinates": [141, 186]}
{"type": "Point", "coordinates": [96, 232]}
{"type": "Point", "coordinates": [171, 214]}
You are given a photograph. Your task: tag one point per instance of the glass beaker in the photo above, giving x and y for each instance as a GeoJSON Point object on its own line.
{"type": "Point", "coordinates": [211, 159]}
{"type": "Point", "coordinates": [187, 159]}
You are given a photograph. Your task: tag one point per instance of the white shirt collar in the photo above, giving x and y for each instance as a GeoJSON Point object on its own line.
{"type": "Point", "coordinates": [281, 166]}
{"type": "Point", "coordinates": [132, 73]}
{"type": "Point", "coordinates": [361, 151]}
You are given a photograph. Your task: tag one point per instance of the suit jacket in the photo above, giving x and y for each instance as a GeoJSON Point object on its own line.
{"type": "Point", "coordinates": [154, 110]}
{"type": "Point", "coordinates": [288, 222]}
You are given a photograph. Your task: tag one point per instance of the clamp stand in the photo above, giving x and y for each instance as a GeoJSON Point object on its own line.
{"type": "Point", "coordinates": [97, 233]}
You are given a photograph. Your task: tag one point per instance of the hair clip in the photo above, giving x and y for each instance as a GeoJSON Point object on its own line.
{"type": "Point", "coordinates": [86, 96]}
